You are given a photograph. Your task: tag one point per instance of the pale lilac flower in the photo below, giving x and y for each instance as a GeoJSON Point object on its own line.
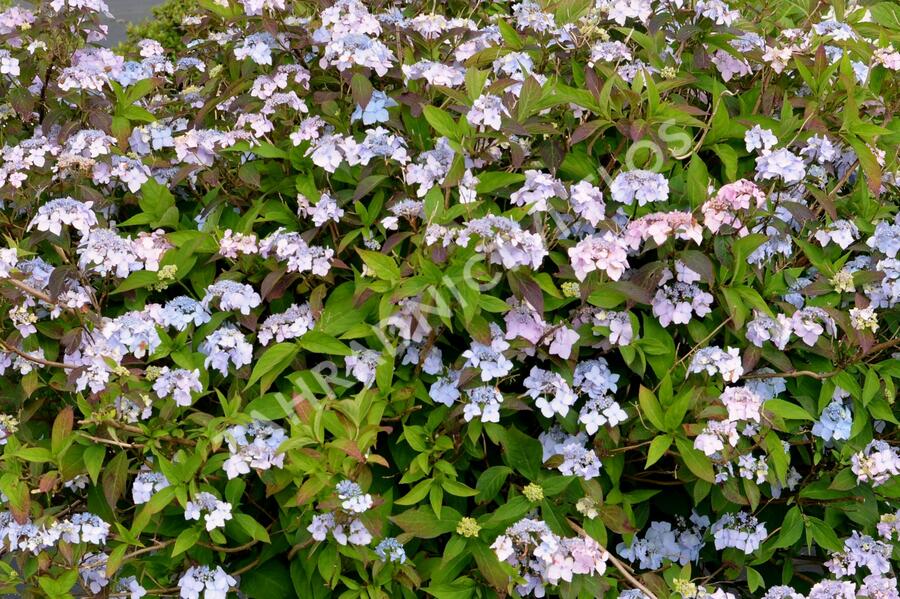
{"type": "Point", "coordinates": [587, 202]}
{"type": "Point", "coordinates": [841, 232]}
{"type": "Point", "coordinates": [178, 384]}
{"type": "Point", "coordinates": [255, 446]}
{"type": "Point", "coordinates": [504, 242]}
{"type": "Point", "coordinates": [231, 295]}
{"type": "Point", "coordinates": [552, 393]}
{"type": "Point", "coordinates": [104, 252]}
{"type": "Point", "coordinates": [758, 138]}
{"type": "Point", "coordinates": [877, 463]}
{"type": "Point", "coordinates": [180, 312]}
{"type": "Point", "coordinates": [742, 403]}
{"type": "Point", "coordinates": [486, 111]}
{"type": "Point", "coordinates": [64, 211]}
{"type": "Point", "coordinates": [92, 571]}
{"type": "Point", "coordinates": [781, 164]}
{"type": "Point", "coordinates": [810, 323]}
{"type": "Point", "coordinates": [832, 589]}
{"type": "Point", "coordinates": [835, 422]}
{"type": "Point", "coordinates": [226, 345]}
{"type": "Point", "coordinates": [763, 328]}
{"type": "Point", "coordinates": [861, 551]}
{"type": "Point", "coordinates": [640, 186]}
{"type": "Point", "coordinates": [484, 402]}
{"type": "Point", "coordinates": [445, 390]}
{"type": "Point", "coordinates": [291, 248]}
{"type": "Point", "coordinates": [741, 531]}
{"type": "Point", "coordinates": [206, 506]}
{"type": "Point", "coordinates": [235, 244]}
{"type": "Point", "coordinates": [489, 358]}
{"type": "Point", "coordinates": [390, 550]}
{"type": "Point", "coordinates": [362, 365]}
{"type": "Point", "coordinates": [146, 484]}
{"type": "Point", "coordinates": [886, 238]}
{"type": "Point", "coordinates": [202, 580]}
{"type": "Point", "coordinates": [537, 190]}
{"type": "Point", "coordinates": [283, 326]}
{"type": "Point", "coordinates": [375, 110]}
{"type": "Point", "coordinates": [713, 438]}
{"type": "Point", "coordinates": [605, 252]}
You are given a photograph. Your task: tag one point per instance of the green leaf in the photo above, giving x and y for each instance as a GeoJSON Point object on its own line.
{"type": "Point", "coordinates": [93, 460]}
{"type": "Point", "coordinates": [320, 343]}
{"type": "Point", "coordinates": [695, 460]}
{"type": "Point", "coordinates": [791, 528]}
{"type": "Point", "coordinates": [187, 539]}
{"type": "Point", "coordinates": [416, 494]}
{"type": "Point", "coordinates": [886, 14]}
{"type": "Point", "coordinates": [523, 452]}
{"type": "Point", "coordinates": [509, 35]}
{"type": "Point", "coordinates": [493, 180]}
{"type": "Point", "coordinates": [823, 534]}
{"type": "Point", "coordinates": [457, 488]}
{"type": "Point", "coordinates": [697, 181]}
{"type": "Point", "coordinates": [651, 409]}
{"type": "Point", "coordinates": [34, 454]}
{"type": "Point", "coordinates": [422, 523]}
{"type": "Point", "coordinates": [674, 412]}
{"type": "Point", "coordinates": [490, 482]}
{"type": "Point", "coordinates": [269, 580]}
{"type": "Point", "coordinates": [137, 280]}
{"type": "Point", "coordinates": [62, 430]}
{"type": "Point", "coordinates": [742, 248]}
{"type": "Point", "coordinates": [273, 362]}
{"type": "Point", "coordinates": [361, 88]}
{"type": "Point", "coordinates": [475, 80]}
{"type": "Point", "coordinates": [490, 567]}
{"type": "Point", "coordinates": [268, 150]}
{"type": "Point", "coordinates": [787, 410]}
{"type": "Point", "coordinates": [155, 199]}
{"type": "Point", "coordinates": [441, 121]}
{"type": "Point", "coordinates": [253, 528]}
{"type": "Point", "coordinates": [658, 448]}
{"type": "Point", "coordinates": [754, 580]}
{"type": "Point", "coordinates": [382, 265]}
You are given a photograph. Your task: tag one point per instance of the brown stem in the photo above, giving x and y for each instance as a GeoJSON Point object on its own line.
{"type": "Point", "coordinates": [36, 360]}
{"type": "Point", "coordinates": [622, 568]}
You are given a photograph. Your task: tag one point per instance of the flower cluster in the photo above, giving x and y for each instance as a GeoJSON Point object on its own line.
{"type": "Point", "coordinates": [544, 559]}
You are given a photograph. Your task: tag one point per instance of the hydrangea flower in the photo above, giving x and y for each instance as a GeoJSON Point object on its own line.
{"type": "Point", "coordinates": [64, 211]}
{"type": "Point", "coordinates": [206, 506]}
{"type": "Point", "coordinates": [226, 345]}
{"type": "Point", "coordinates": [255, 446]}
{"type": "Point", "coordinates": [551, 392]}
{"type": "Point", "coordinates": [782, 165]}
{"type": "Point", "coordinates": [835, 422]}
{"type": "Point", "coordinates": [741, 531]}
{"type": "Point", "coordinates": [639, 186]}
{"type": "Point", "coordinates": [178, 384]}
{"type": "Point", "coordinates": [207, 582]}
{"type": "Point", "coordinates": [607, 253]}
{"type": "Point", "coordinates": [487, 111]}
{"type": "Point", "coordinates": [390, 550]}
{"type": "Point", "coordinates": [545, 559]}
{"type": "Point", "coordinates": [714, 360]}
{"type": "Point", "coordinates": [231, 295]}
{"type": "Point", "coordinates": [877, 463]}
{"type": "Point", "coordinates": [146, 484]}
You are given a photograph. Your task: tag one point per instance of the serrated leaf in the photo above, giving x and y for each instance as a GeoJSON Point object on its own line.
{"type": "Point", "coordinates": [658, 448]}
{"type": "Point", "coordinates": [695, 460]}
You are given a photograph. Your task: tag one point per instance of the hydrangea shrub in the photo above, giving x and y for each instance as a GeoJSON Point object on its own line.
{"type": "Point", "coordinates": [451, 300]}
